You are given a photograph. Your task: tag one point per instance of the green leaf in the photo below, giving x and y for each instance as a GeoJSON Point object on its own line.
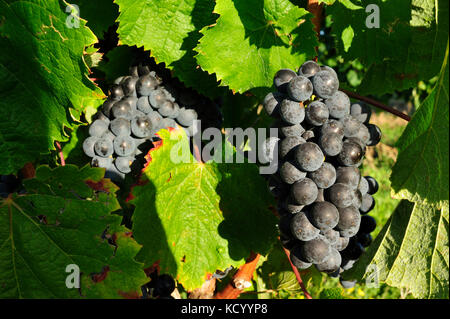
{"type": "Point", "coordinates": [412, 252]}
{"type": "Point", "coordinates": [411, 32]}
{"type": "Point", "coordinates": [65, 219]}
{"type": "Point", "coordinates": [44, 82]}
{"type": "Point", "coordinates": [116, 63]}
{"type": "Point", "coordinates": [193, 218]}
{"type": "Point", "coordinates": [253, 39]}
{"type": "Point", "coordinates": [99, 14]}
{"type": "Point", "coordinates": [169, 29]}
{"type": "Point", "coordinates": [421, 171]}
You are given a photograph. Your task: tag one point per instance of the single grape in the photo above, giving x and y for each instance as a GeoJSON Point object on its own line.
{"type": "Point", "coordinates": [363, 134]}
{"type": "Point", "coordinates": [88, 146]}
{"type": "Point", "coordinates": [315, 251]}
{"type": "Point", "coordinates": [331, 235]}
{"type": "Point", "coordinates": [271, 103]}
{"type": "Point", "coordinates": [340, 195]}
{"type": "Point", "coordinates": [373, 185]}
{"type": "Point", "coordinates": [338, 105]}
{"type": "Point", "coordinates": [142, 127]}
{"type": "Point", "coordinates": [292, 112]}
{"type": "Point", "coordinates": [331, 144]}
{"type": "Point", "coordinates": [375, 135]}
{"type": "Point", "coordinates": [304, 191]}
{"type": "Point", "coordinates": [116, 92]}
{"type": "Point", "coordinates": [309, 157]}
{"type": "Point", "coordinates": [364, 239]}
{"type": "Point", "coordinates": [158, 97]}
{"type": "Point", "coordinates": [103, 162]}
{"type": "Point", "coordinates": [98, 128]}
{"type": "Point", "coordinates": [317, 113]}
{"type": "Point", "coordinates": [309, 69]}
{"type": "Point", "coordinates": [106, 108]}
{"type": "Point", "coordinates": [332, 126]}
{"type": "Point", "coordinates": [351, 125]}
{"type": "Point", "coordinates": [349, 218]}
{"type": "Point", "coordinates": [124, 145]}
{"type": "Point", "coordinates": [186, 117]}
{"type": "Point", "coordinates": [367, 204]}
{"type": "Point", "coordinates": [143, 105]}
{"type": "Point", "coordinates": [368, 224]}
{"type": "Point", "coordinates": [341, 243]}
{"type": "Point", "coordinates": [169, 109]}
{"type": "Point", "coordinates": [363, 186]}
{"type": "Point", "coordinates": [131, 101]}
{"type": "Point", "coordinates": [146, 84]}
{"type": "Point", "coordinates": [348, 175]}
{"type": "Point", "coordinates": [324, 215]}
{"type": "Point", "coordinates": [122, 109]}
{"type": "Point", "coordinates": [288, 144]}
{"type": "Point", "coordinates": [325, 176]}
{"type": "Point", "coordinates": [120, 127]}
{"type": "Point", "coordinates": [297, 259]}
{"type": "Point", "coordinates": [301, 227]}
{"type": "Point", "coordinates": [129, 85]}
{"type": "Point", "coordinates": [291, 130]}
{"type": "Point", "coordinates": [328, 69]}
{"type": "Point", "coordinates": [282, 78]}
{"type": "Point", "coordinates": [361, 111]}
{"type": "Point", "coordinates": [332, 263]}
{"type": "Point", "coordinates": [104, 147]}
{"type": "Point", "coordinates": [351, 154]}
{"type": "Point", "coordinates": [300, 88]}
{"type": "Point", "coordinates": [290, 174]}
{"type": "Point", "coordinates": [123, 163]}
{"type": "Point", "coordinates": [357, 198]}
{"type": "Point", "coordinates": [325, 84]}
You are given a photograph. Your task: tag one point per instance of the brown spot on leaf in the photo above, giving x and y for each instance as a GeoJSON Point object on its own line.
{"type": "Point", "coordinates": [99, 277]}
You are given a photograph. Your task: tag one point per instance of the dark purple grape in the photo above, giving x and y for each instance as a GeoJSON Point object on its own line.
{"type": "Point", "coordinates": [331, 144]}
{"type": "Point", "coordinates": [331, 235]}
{"type": "Point", "coordinates": [325, 176]}
{"type": "Point", "coordinates": [351, 154]}
{"type": "Point", "coordinates": [332, 126]}
{"type": "Point", "coordinates": [129, 85]}
{"type": "Point", "coordinates": [348, 175]}
{"type": "Point", "coordinates": [315, 251]}
{"type": "Point", "coordinates": [325, 84]}
{"type": "Point", "coordinates": [271, 103]}
{"type": "Point", "coordinates": [361, 111]}
{"type": "Point", "coordinates": [290, 174]}
{"type": "Point", "coordinates": [292, 112]}
{"type": "Point", "coordinates": [351, 125]}
{"type": "Point", "coordinates": [146, 84]}
{"type": "Point", "coordinates": [341, 195]}
{"type": "Point", "coordinates": [342, 243]}
{"type": "Point", "coordinates": [373, 185]}
{"type": "Point", "coordinates": [368, 224]}
{"type": "Point", "coordinates": [349, 221]}
{"type": "Point", "coordinates": [363, 186]}
{"type": "Point", "coordinates": [116, 92]}
{"type": "Point", "coordinates": [332, 263]}
{"type": "Point", "coordinates": [353, 251]}
{"type": "Point", "coordinates": [367, 204]}
{"type": "Point", "coordinates": [302, 229]}
{"type": "Point", "coordinates": [363, 134]}
{"type": "Point", "coordinates": [304, 192]}
{"type": "Point", "coordinates": [324, 215]}
{"type": "Point", "coordinates": [300, 88]}
{"type": "Point", "coordinates": [309, 69]}
{"type": "Point", "coordinates": [317, 113]}
{"type": "Point", "coordinates": [282, 78]}
{"type": "Point", "coordinates": [309, 156]}
{"type": "Point", "coordinates": [364, 239]}
{"type": "Point", "coordinates": [338, 105]}
{"type": "Point", "coordinates": [375, 135]}
{"type": "Point", "coordinates": [297, 259]}
{"type": "Point", "coordinates": [288, 144]}
{"type": "Point", "coordinates": [291, 130]}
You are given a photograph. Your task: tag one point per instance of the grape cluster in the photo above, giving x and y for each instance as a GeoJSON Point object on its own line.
{"type": "Point", "coordinates": [137, 107]}
{"type": "Point", "coordinates": [160, 286]}
{"type": "Point", "coordinates": [323, 199]}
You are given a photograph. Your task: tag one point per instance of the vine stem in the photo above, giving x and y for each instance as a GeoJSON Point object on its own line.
{"type": "Point", "coordinates": [243, 276]}
{"type": "Point", "coordinates": [297, 275]}
{"type": "Point", "coordinates": [61, 155]}
{"type": "Point", "coordinates": [378, 104]}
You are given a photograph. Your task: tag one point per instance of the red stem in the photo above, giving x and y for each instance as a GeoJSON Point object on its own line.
{"type": "Point", "coordinates": [378, 104]}
{"type": "Point", "coordinates": [297, 275]}
{"type": "Point", "coordinates": [61, 155]}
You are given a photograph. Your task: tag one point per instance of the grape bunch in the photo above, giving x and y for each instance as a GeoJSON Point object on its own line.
{"type": "Point", "coordinates": [137, 107]}
{"type": "Point", "coordinates": [323, 199]}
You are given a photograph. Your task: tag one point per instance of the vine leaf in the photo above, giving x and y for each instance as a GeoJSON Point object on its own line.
{"type": "Point", "coordinates": [421, 171]}
{"type": "Point", "coordinates": [193, 218]}
{"type": "Point", "coordinates": [65, 219]}
{"type": "Point", "coordinates": [169, 29]}
{"type": "Point", "coordinates": [411, 251]}
{"type": "Point", "coordinates": [410, 32]}
{"type": "Point", "coordinates": [98, 20]}
{"type": "Point", "coordinates": [44, 84]}
{"type": "Point", "coordinates": [254, 39]}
